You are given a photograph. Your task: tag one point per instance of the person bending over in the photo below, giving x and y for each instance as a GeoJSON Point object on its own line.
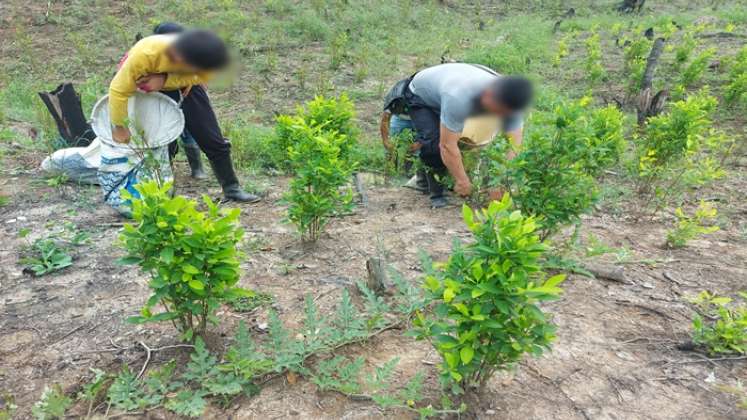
{"type": "Point", "coordinates": [179, 65]}
{"type": "Point", "coordinates": [442, 97]}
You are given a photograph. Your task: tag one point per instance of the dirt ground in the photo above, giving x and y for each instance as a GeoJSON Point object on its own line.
{"type": "Point", "coordinates": [616, 356]}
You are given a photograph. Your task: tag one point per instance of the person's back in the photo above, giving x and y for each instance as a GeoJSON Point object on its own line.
{"type": "Point", "coordinates": [454, 89]}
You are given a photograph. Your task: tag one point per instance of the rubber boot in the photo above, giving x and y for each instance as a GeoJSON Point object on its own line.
{"type": "Point", "coordinates": [223, 169]}
{"type": "Point", "coordinates": [436, 189]}
{"type": "Point", "coordinates": [419, 182]}
{"type": "Point", "coordinates": [195, 161]}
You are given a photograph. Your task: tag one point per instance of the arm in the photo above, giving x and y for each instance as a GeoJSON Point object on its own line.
{"type": "Point", "coordinates": [122, 86]}
{"type": "Point", "coordinates": [452, 157]}
{"type": "Point", "coordinates": [384, 129]}
{"type": "Point", "coordinates": [176, 81]}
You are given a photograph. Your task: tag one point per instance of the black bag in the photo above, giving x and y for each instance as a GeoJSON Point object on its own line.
{"type": "Point", "coordinates": [394, 101]}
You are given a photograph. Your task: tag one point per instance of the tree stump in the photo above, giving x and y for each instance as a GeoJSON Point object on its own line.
{"type": "Point", "coordinates": [629, 6]}
{"type": "Point", "coordinates": [649, 104]}
{"type": "Point", "coordinates": [377, 278]}
{"type": "Point", "coordinates": [64, 105]}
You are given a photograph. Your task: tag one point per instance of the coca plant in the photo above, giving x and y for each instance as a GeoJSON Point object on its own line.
{"type": "Point", "coordinates": [321, 171]}
{"type": "Point", "coordinates": [190, 255]}
{"type": "Point", "coordinates": [486, 315]}
{"type": "Point", "coordinates": [328, 114]}
{"type": "Point", "coordinates": [553, 177]}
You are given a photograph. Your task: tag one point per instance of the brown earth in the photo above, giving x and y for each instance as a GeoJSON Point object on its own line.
{"type": "Point", "coordinates": [616, 356]}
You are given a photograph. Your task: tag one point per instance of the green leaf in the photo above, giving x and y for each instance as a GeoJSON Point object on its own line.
{"type": "Point", "coordinates": [196, 284]}
{"type": "Point", "coordinates": [466, 354]}
{"type": "Point", "coordinates": [190, 269]}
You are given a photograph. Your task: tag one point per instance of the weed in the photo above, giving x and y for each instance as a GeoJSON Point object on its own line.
{"type": "Point", "coordinates": [52, 404]}
{"type": "Point", "coordinates": [47, 256]}
{"type": "Point", "coordinates": [690, 227]}
{"type": "Point", "coordinates": [190, 255]}
{"type": "Point", "coordinates": [8, 407]}
{"type": "Point", "coordinates": [486, 316]}
{"type": "Point", "coordinates": [248, 304]}
{"type": "Point", "coordinates": [721, 325]}
{"type": "Point", "coordinates": [247, 363]}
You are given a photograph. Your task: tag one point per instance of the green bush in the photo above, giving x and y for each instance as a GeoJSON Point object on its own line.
{"type": "Point", "coordinates": [593, 66]}
{"type": "Point", "coordinates": [736, 90]}
{"type": "Point", "coordinates": [486, 316]}
{"type": "Point", "coordinates": [674, 135]}
{"type": "Point", "coordinates": [315, 195]}
{"type": "Point", "coordinates": [329, 115]}
{"type": "Point", "coordinates": [552, 178]}
{"type": "Point", "coordinates": [190, 256]}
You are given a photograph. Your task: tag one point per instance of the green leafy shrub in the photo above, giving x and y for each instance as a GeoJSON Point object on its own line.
{"type": "Point", "coordinates": [690, 227]}
{"type": "Point", "coordinates": [736, 90]}
{"type": "Point", "coordinates": [320, 172]}
{"type": "Point", "coordinates": [634, 57]}
{"type": "Point", "coordinates": [52, 405]}
{"type": "Point", "coordinates": [594, 68]}
{"type": "Point", "coordinates": [694, 71]}
{"type": "Point", "coordinates": [722, 324]}
{"type": "Point", "coordinates": [671, 145]}
{"type": "Point", "coordinates": [328, 115]}
{"type": "Point", "coordinates": [190, 256]}
{"type": "Point", "coordinates": [553, 176]}
{"type": "Point", "coordinates": [486, 316]}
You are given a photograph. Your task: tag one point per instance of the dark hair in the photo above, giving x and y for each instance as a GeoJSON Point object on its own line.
{"type": "Point", "coordinates": [514, 92]}
{"type": "Point", "coordinates": [168, 28]}
{"type": "Point", "coordinates": [202, 49]}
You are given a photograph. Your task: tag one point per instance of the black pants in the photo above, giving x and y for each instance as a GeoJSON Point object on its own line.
{"type": "Point", "coordinates": [202, 124]}
{"type": "Point", "coordinates": [427, 124]}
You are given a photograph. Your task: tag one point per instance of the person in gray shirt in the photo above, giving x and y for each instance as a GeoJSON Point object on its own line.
{"type": "Point", "coordinates": [442, 97]}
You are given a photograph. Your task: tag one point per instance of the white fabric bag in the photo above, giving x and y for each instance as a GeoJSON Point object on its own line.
{"type": "Point", "coordinates": [155, 120]}
{"type": "Point", "coordinates": [79, 164]}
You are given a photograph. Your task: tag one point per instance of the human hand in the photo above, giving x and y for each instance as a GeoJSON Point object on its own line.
{"type": "Point", "coordinates": [496, 194]}
{"type": "Point", "coordinates": [121, 134]}
{"type": "Point", "coordinates": [463, 188]}
{"type": "Point", "coordinates": [151, 82]}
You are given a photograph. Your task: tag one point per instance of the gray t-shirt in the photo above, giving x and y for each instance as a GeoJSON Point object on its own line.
{"type": "Point", "coordinates": [454, 89]}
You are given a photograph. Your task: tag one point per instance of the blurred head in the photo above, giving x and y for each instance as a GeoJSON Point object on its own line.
{"type": "Point", "coordinates": [507, 95]}
{"type": "Point", "coordinates": [168, 28]}
{"type": "Point", "coordinates": [199, 50]}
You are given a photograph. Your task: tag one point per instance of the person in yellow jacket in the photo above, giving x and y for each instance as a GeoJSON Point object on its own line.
{"type": "Point", "coordinates": [179, 65]}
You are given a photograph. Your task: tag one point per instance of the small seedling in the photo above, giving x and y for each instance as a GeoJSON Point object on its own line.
{"type": "Point", "coordinates": [690, 227]}
{"type": "Point", "coordinates": [248, 304]}
{"type": "Point", "coordinates": [47, 256]}
{"type": "Point", "coordinates": [52, 405]}
{"type": "Point", "coordinates": [721, 325]}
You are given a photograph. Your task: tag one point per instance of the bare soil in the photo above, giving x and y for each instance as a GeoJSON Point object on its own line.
{"type": "Point", "coordinates": [616, 356]}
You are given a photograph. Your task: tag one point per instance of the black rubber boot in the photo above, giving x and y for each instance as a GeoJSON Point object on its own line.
{"type": "Point", "coordinates": [195, 161]}
{"type": "Point", "coordinates": [436, 189]}
{"type": "Point", "coordinates": [223, 169]}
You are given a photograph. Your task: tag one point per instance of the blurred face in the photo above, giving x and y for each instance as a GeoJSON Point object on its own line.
{"type": "Point", "coordinates": [177, 58]}
{"type": "Point", "coordinates": [487, 100]}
